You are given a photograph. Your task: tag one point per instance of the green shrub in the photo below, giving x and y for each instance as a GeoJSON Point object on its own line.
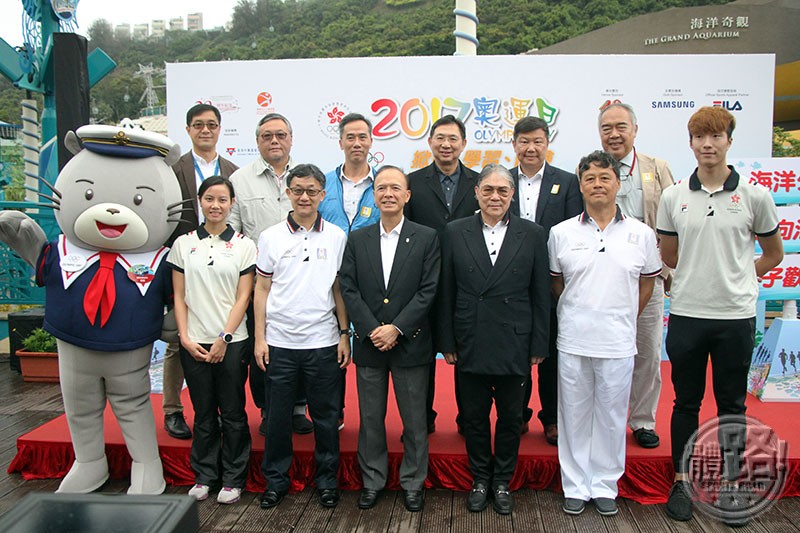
{"type": "Point", "coordinates": [40, 341]}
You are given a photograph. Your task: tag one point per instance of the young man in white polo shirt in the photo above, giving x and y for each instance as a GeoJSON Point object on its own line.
{"type": "Point", "coordinates": [603, 268]}
{"type": "Point", "coordinates": [301, 330]}
{"type": "Point", "coordinates": [708, 225]}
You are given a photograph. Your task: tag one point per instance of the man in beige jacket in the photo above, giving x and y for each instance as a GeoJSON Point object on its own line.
{"type": "Point", "coordinates": [642, 179]}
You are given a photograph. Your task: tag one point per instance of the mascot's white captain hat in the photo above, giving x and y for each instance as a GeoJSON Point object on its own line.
{"type": "Point", "coordinates": [121, 141]}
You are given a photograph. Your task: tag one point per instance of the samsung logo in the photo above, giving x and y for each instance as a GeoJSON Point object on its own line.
{"type": "Point", "coordinates": [671, 104]}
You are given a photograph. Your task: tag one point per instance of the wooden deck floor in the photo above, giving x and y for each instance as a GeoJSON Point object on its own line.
{"type": "Point", "coordinates": [27, 405]}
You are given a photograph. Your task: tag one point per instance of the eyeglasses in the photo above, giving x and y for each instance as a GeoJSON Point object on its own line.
{"type": "Point", "coordinates": [297, 191]}
{"type": "Point", "coordinates": [452, 139]}
{"type": "Point", "coordinates": [488, 191]}
{"type": "Point", "coordinates": [268, 135]}
{"type": "Point", "coordinates": [200, 125]}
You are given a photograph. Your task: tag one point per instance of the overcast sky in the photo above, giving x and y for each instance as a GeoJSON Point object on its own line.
{"type": "Point", "coordinates": [215, 13]}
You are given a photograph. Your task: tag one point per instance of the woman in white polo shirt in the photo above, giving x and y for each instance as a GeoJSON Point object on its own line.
{"type": "Point", "coordinates": [213, 280]}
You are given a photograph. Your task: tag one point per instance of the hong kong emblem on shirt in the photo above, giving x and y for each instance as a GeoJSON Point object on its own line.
{"type": "Point", "coordinates": [736, 203]}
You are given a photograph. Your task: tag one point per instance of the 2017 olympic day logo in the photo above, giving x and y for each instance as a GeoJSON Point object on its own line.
{"type": "Point", "coordinates": [736, 467]}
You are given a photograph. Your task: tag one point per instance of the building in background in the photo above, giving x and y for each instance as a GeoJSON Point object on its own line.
{"type": "Point", "coordinates": [158, 28]}
{"type": "Point", "coordinates": [194, 21]}
{"type": "Point", "coordinates": [176, 23]}
{"type": "Point", "coordinates": [141, 31]}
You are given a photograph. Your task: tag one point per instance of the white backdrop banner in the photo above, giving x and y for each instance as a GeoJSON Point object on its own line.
{"type": "Point", "coordinates": [403, 96]}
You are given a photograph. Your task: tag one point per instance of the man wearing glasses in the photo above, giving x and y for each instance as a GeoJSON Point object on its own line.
{"type": "Point", "coordinates": [441, 192]}
{"type": "Point", "coordinates": [261, 202]}
{"type": "Point", "coordinates": [302, 332]}
{"type": "Point", "coordinates": [642, 178]}
{"type": "Point", "coordinates": [494, 320]}
{"type": "Point", "coordinates": [202, 161]}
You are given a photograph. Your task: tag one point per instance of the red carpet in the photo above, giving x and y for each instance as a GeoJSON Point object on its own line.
{"type": "Point", "coordinates": [46, 452]}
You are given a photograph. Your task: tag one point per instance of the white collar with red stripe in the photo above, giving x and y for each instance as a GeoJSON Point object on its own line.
{"type": "Point", "coordinates": [141, 267]}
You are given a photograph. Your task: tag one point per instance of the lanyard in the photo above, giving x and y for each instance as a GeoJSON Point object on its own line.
{"type": "Point", "coordinates": [630, 172]}
{"type": "Point", "coordinates": [200, 173]}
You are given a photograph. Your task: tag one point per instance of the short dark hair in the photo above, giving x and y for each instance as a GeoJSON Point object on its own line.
{"type": "Point", "coordinates": [711, 120]}
{"type": "Point", "coordinates": [199, 109]}
{"type": "Point", "coordinates": [529, 124]}
{"type": "Point", "coordinates": [601, 159]}
{"type": "Point", "coordinates": [449, 119]}
{"type": "Point", "coordinates": [215, 180]}
{"type": "Point", "coordinates": [354, 117]}
{"type": "Point", "coordinates": [306, 170]}
{"type": "Point", "coordinates": [391, 167]}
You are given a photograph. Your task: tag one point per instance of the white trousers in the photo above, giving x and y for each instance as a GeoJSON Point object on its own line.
{"type": "Point", "coordinates": [592, 408]}
{"type": "Point", "coordinates": [646, 385]}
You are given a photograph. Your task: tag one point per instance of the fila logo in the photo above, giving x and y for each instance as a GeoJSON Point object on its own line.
{"type": "Point", "coordinates": [726, 104]}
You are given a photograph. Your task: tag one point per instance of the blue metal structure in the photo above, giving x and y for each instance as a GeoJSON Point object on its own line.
{"type": "Point", "coordinates": [31, 67]}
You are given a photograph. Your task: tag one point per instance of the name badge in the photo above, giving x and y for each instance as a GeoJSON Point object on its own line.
{"type": "Point", "coordinates": [633, 238]}
{"type": "Point", "coordinates": [322, 254]}
{"type": "Point", "coordinates": [647, 176]}
{"type": "Point", "coordinates": [555, 188]}
{"type": "Point", "coordinates": [72, 263]}
{"type": "Point", "coordinates": [366, 211]}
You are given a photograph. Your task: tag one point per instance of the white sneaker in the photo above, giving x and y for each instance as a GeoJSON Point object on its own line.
{"type": "Point", "coordinates": [229, 495]}
{"type": "Point", "coordinates": [199, 492]}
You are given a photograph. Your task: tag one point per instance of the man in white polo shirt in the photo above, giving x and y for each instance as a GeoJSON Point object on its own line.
{"type": "Point", "coordinates": [301, 330]}
{"type": "Point", "coordinates": [708, 225]}
{"type": "Point", "coordinates": [603, 266]}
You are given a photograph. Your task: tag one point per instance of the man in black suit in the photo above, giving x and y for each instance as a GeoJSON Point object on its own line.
{"type": "Point", "coordinates": [494, 316]}
{"type": "Point", "coordinates": [203, 122]}
{"type": "Point", "coordinates": [441, 192]}
{"type": "Point", "coordinates": [388, 277]}
{"type": "Point", "coordinates": [546, 195]}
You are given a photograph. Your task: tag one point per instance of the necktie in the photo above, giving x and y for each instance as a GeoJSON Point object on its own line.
{"type": "Point", "coordinates": [101, 292]}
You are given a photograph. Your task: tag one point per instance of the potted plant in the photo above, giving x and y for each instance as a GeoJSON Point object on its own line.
{"type": "Point", "coordinates": [39, 358]}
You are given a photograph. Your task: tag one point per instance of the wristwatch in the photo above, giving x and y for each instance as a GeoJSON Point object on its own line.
{"type": "Point", "coordinates": [227, 338]}
{"type": "Point", "coordinates": [345, 331]}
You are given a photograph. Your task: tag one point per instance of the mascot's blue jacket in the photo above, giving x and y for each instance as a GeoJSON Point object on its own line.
{"type": "Point", "coordinates": [135, 320]}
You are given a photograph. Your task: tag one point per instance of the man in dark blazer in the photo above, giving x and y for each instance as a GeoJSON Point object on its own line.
{"type": "Point", "coordinates": [546, 195]}
{"type": "Point", "coordinates": [388, 278]}
{"type": "Point", "coordinates": [203, 122]}
{"type": "Point", "coordinates": [494, 317]}
{"type": "Point", "coordinates": [441, 192]}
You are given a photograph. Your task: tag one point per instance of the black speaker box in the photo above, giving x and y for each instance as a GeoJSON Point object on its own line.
{"type": "Point", "coordinates": [20, 326]}
{"type": "Point", "coordinates": [102, 513]}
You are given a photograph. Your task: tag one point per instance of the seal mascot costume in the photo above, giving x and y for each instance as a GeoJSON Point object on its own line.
{"type": "Point", "coordinates": [117, 201]}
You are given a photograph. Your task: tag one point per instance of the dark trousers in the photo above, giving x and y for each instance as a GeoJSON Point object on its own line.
{"type": "Point", "coordinates": [320, 372]}
{"type": "Point", "coordinates": [218, 390]}
{"type": "Point", "coordinates": [730, 345]}
{"type": "Point", "coordinates": [258, 382]}
{"type": "Point", "coordinates": [547, 372]}
{"type": "Point", "coordinates": [478, 391]}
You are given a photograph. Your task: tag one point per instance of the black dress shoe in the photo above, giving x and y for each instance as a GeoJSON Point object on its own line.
{"type": "Point", "coordinates": [329, 497]}
{"type": "Point", "coordinates": [176, 426]}
{"type": "Point", "coordinates": [503, 502]}
{"type": "Point", "coordinates": [368, 498]}
{"type": "Point", "coordinates": [413, 500]}
{"type": "Point", "coordinates": [302, 425]}
{"type": "Point", "coordinates": [646, 438]}
{"type": "Point", "coordinates": [478, 497]}
{"type": "Point", "coordinates": [271, 498]}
